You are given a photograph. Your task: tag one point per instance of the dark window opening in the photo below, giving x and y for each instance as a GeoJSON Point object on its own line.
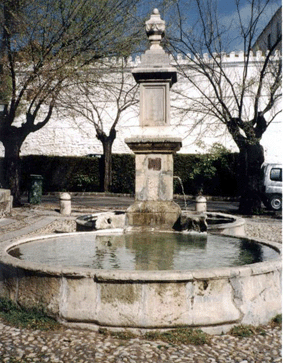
{"type": "Point", "coordinates": [269, 41]}
{"type": "Point", "coordinates": [278, 30]}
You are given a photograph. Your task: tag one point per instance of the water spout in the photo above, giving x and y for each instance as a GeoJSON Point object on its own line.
{"type": "Point", "coordinates": [183, 190]}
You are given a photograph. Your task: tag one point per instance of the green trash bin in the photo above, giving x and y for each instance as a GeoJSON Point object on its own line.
{"type": "Point", "coordinates": [35, 189]}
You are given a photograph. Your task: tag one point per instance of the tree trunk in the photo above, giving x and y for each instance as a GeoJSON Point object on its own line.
{"type": "Point", "coordinates": [107, 159]}
{"type": "Point", "coordinates": [251, 158]}
{"type": "Point", "coordinates": [107, 142]}
{"type": "Point", "coordinates": [12, 169]}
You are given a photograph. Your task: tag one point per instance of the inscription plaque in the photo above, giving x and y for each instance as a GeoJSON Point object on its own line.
{"type": "Point", "coordinates": [154, 100]}
{"type": "Point", "coordinates": [154, 105]}
{"type": "Point", "coordinates": [154, 164]}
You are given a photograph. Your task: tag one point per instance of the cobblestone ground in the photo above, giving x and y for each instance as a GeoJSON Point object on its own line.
{"type": "Point", "coordinates": [74, 345]}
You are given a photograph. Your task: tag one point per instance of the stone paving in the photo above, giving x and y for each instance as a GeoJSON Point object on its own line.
{"type": "Point", "coordinates": [75, 345]}
{"type": "Point", "coordinates": [71, 345]}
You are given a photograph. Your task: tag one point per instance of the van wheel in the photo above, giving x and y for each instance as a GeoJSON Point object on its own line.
{"type": "Point", "coordinates": [275, 202]}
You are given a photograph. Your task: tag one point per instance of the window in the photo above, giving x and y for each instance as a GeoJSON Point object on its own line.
{"type": "Point", "coordinates": [269, 41]}
{"type": "Point", "coordinates": [276, 174]}
{"type": "Point", "coordinates": [278, 30]}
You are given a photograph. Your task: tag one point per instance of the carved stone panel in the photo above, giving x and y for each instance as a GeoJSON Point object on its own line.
{"type": "Point", "coordinates": [154, 104]}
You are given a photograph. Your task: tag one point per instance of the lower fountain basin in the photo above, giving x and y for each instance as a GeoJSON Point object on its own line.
{"type": "Point", "coordinates": [213, 299]}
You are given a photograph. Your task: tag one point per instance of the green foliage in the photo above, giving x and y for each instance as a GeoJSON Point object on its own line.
{"type": "Point", "coordinates": [180, 336]}
{"type": "Point", "coordinates": [173, 336]}
{"type": "Point", "coordinates": [123, 335]}
{"type": "Point", "coordinates": [73, 174]}
{"type": "Point", "coordinates": [277, 320]}
{"type": "Point", "coordinates": [123, 173]}
{"type": "Point", "coordinates": [244, 331]}
{"type": "Point", "coordinates": [206, 168]}
{"type": "Point", "coordinates": [78, 174]}
{"type": "Point", "coordinates": [214, 173]}
{"type": "Point", "coordinates": [83, 174]}
{"type": "Point", "coordinates": [81, 182]}
{"type": "Point", "coordinates": [31, 318]}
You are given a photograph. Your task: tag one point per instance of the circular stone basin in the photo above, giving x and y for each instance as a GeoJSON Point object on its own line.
{"type": "Point", "coordinates": [144, 251]}
{"type": "Point", "coordinates": [213, 299]}
{"type": "Point", "coordinates": [217, 222]}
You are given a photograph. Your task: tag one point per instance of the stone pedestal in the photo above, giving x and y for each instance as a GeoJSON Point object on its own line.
{"type": "Point", "coordinates": [200, 204]}
{"type": "Point", "coordinates": [65, 204]}
{"type": "Point", "coordinates": [154, 167]}
{"type": "Point", "coordinates": [154, 206]}
{"type": "Point", "coordinates": [152, 215]}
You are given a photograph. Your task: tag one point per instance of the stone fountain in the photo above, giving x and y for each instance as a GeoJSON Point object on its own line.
{"type": "Point", "coordinates": [153, 147]}
{"type": "Point", "coordinates": [125, 289]}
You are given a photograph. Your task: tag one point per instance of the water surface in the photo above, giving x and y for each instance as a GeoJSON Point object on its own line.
{"type": "Point", "coordinates": [144, 251]}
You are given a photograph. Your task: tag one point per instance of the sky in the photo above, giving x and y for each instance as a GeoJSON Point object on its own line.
{"type": "Point", "coordinates": [226, 9]}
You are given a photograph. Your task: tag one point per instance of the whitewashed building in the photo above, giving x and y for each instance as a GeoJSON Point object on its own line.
{"type": "Point", "coordinates": [72, 135]}
{"type": "Point", "coordinates": [270, 33]}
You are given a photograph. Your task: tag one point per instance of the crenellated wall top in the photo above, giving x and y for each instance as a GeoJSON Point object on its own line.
{"type": "Point", "coordinates": [181, 59]}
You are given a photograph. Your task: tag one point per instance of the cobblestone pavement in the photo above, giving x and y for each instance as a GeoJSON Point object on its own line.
{"type": "Point", "coordinates": [71, 345]}
{"type": "Point", "coordinates": [75, 345]}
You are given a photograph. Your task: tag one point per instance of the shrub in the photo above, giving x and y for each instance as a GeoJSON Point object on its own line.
{"type": "Point", "coordinates": [216, 173]}
{"type": "Point", "coordinates": [123, 173]}
{"type": "Point", "coordinates": [74, 174]}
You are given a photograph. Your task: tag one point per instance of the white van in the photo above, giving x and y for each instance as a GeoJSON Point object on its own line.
{"type": "Point", "coordinates": [272, 180]}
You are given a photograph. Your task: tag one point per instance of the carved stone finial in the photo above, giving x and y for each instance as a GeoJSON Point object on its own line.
{"type": "Point", "coordinates": [155, 29]}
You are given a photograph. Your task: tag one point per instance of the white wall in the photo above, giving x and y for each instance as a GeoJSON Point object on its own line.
{"type": "Point", "coordinates": [65, 136]}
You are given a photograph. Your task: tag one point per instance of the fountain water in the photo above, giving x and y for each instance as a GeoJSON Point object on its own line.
{"type": "Point", "coordinates": [76, 291]}
{"type": "Point", "coordinates": [183, 191]}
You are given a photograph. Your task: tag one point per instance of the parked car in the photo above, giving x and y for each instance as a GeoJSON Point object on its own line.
{"type": "Point", "coordinates": [272, 190]}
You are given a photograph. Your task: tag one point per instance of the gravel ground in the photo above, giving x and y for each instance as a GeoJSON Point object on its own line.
{"type": "Point", "coordinates": [265, 228]}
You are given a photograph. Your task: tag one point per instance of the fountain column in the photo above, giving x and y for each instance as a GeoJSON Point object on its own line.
{"type": "Point", "coordinates": [154, 146]}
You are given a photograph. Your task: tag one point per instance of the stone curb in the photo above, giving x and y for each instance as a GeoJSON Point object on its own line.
{"type": "Point", "coordinates": [28, 229]}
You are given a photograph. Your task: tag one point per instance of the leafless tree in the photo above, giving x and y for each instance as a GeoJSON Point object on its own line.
{"type": "Point", "coordinates": [244, 99]}
{"type": "Point", "coordinates": [43, 43]}
{"type": "Point", "coordinates": [100, 96]}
